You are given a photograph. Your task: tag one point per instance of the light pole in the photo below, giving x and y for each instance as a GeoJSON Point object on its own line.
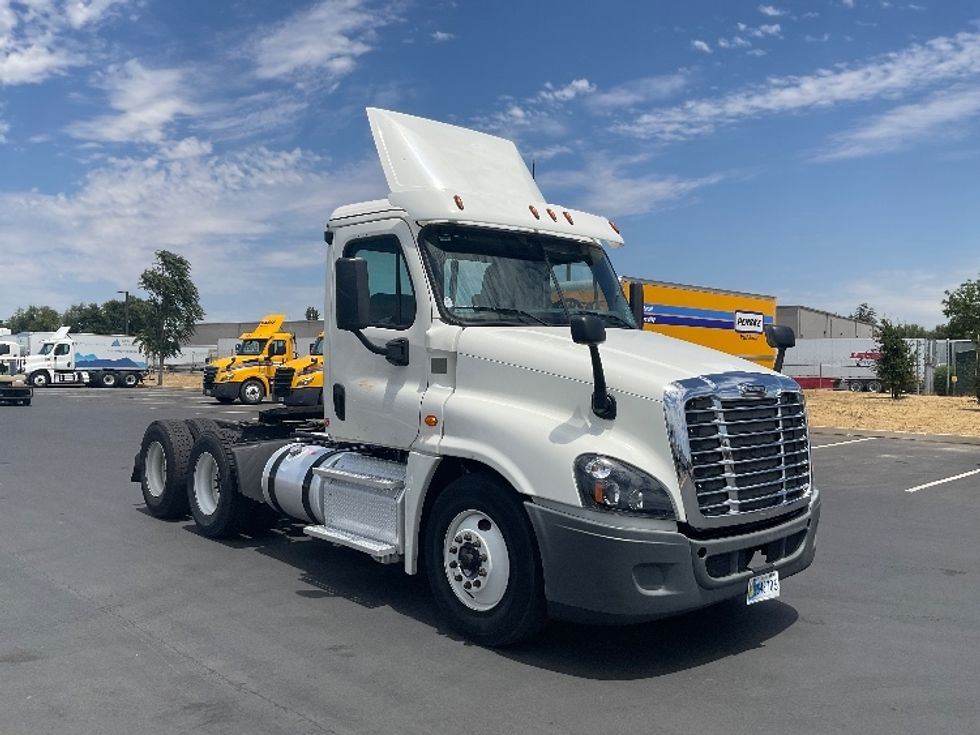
{"type": "Point", "coordinates": [126, 310]}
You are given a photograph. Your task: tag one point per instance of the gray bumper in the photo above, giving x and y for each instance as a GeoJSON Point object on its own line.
{"type": "Point", "coordinates": [599, 568]}
{"type": "Point", "coordinates": [224, 390]}
{"type": "Point", "coordinates": [303, 397]}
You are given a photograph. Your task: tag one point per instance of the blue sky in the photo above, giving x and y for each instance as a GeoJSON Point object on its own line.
{"type": "Point", "coordinates": [826, 152]}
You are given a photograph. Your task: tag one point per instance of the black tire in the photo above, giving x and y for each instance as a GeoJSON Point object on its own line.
{"type": "Point", "coordinates": [252, 392]}
{"type": "Point", "coordinates": [854, 386]}
{"type": "Point", "coordinates": [165, 493]}
{"type": "Point", "coordinates": [130, 380]}
{"type": "Point", "coordinates": [39, 379]}
{"type": "Point", "coordinates": [108, 380]}
{"type": "Point", "coordinates": [229, 433]}
{"type": "Point", "coordinates": [521, 610]}
{"type": "Point", "coordinates": [218, 509]}
{"type": "Point", "coordinates": [874, 386]}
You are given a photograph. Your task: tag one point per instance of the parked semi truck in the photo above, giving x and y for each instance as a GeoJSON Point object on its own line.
{"type": "Point", "coordinates": [13, 383]}
{"type": "Point", "coordinates": [531, 455]}
{"type": "Point", "coordinates": [247, 375]}
{"type": "Point", "coordinates": [299, 382]}
{"type": "Point", "coordinates": [86, 359]}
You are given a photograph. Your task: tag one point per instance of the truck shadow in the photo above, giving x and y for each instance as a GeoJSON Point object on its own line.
{"type": "Point", "coordinates": [613, 653]}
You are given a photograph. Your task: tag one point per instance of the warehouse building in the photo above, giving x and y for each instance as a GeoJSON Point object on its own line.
{"type": "Point", "coordinates": [813, 323]}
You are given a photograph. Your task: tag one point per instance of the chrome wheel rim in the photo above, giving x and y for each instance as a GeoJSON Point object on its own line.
{"type": "Point", "coordinates": [206, 484]}
{"type": "Point", "coordinates": [155, 464]}
{"type": "Point", "coordinates": [476, 560]}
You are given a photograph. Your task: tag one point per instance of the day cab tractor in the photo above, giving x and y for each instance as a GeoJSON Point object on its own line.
{"type": "Point", "coordinates": [299, 382]}
{"type": "Point", "coordinates": [247, 375]}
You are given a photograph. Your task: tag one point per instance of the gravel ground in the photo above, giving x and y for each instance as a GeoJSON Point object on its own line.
{"type": "Point", "coordinates": [879, 412]}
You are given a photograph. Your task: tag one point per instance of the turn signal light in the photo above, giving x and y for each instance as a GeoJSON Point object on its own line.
{"type": "Point", "coordinates": [534, 211]}
{"type": "Point", "coordinates": [551, 213]}
{"type": "Point", "coordinates": [459, 201]}
{"type": "Point", "coordinates": [614, 228]}
{"type": "Point", "coordinates": [431, 420]}
{"type": "Point", "coordinates": [569, 218]}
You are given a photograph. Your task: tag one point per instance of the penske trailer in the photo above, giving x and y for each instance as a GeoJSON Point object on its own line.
{"type": "Point", "coordinates": [531, 455]}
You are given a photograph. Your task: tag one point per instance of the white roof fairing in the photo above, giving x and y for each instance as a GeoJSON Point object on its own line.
{"type": "Point", "coordinates": [428, 163]}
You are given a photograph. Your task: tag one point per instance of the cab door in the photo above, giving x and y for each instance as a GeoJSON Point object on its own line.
{"type": "Point", "coordinates": [367, 398]}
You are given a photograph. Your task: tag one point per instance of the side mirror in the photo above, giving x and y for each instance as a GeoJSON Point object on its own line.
{"type": "Point", "coordinates": [636, 302]}
{"type": "Point", "coordinates": [238, 348]}
{"type": "Point", "coordinates": [312, 346]}
{"type": "Point", "coordinates": [779, 335]}
{"type": "Point", "coordinates": [352, 294]}
{"type": "Point", "coordinates": [587, 329]}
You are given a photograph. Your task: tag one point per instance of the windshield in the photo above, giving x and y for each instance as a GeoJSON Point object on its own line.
{"type": "Point", "coordinates": [46, 348]}
{"type": "Point", "coordinates": [252, 347]}
{"type": "Point", "coordinates": [484, 276]}
{"type": "Point", "coordinates": [317, 348]}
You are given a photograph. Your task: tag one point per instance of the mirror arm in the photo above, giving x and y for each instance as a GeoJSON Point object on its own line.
{"type": "Point", "coordinates": [603, 404]}
{"type": "Point", "coordinates": [369, 344]}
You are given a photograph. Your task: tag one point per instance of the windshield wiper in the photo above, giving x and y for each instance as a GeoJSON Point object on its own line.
{"type": "Point", "coordinates": [503, 310]}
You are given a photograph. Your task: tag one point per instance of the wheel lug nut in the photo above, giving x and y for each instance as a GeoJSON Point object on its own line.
{"type": "Point", "coordinates": [458, 539]}
{"type": "Point", "coordinates": [458, 577]}
{"type": "Point", "coordinates": [453, 564]}
{"type": "Point", "coordinates": [482, 572]}
{"type": "Point", "coordinates": [476, 543]}
{"type": "Point", "coordinates": [453, 550]}
{"type": "Point", "coordinates": [483, 557]}
{"type": "Point", "coordinates": [476, 583]}
{"type": "Point", "coordinates": [468, 536]}
{"type": "Point", "coordinates": [466, 585]}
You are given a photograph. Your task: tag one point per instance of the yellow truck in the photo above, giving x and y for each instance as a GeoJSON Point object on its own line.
{"type": "Point", "coordinates": [248, 374]}
{"type": "Point", "coordinates": [299, 382]}
{"type": "Point", "coordinates": [728, 321]}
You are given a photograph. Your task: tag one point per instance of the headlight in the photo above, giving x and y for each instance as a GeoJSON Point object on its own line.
{"type": "Point", "coordinates": [306, 381]}
{"type": "Point", "coordinates": [610, 484]}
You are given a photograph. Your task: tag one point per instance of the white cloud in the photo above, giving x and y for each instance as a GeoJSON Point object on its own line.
{"type": "Point", "coordinates": [847, 3]}
{"type": "Point", "coordinates": [823, 38]}
{"type": "Point", "coordinates": [33, 63]}
{"type": "Point", "coordinates": [637, 91]}
{"type": "Point", "coordinates": [83, 12]}
{"type": "Point", "coordinates": [4, 129]}
{"type": "Point", "coordinates": [440, 36]}
{"type": "Point", "coordinates": [606, 186]}
{"type": "Point", "coordinates": [901, 127]}
{"type": "Point", "coordinates": [327, 38]}
{"type": "Point", "coordinates": [222, 212]}
{"type": "Point", "coordinates": [771, 11]}
{"type": "Point", "coordinates": [186, 148]}
{"type": "Point", "coordinates": [941, 59]}
{"type": "Point", "coordinates": [147, 101]}
{"type": "Point", "coordinates": [575, 88]}
{"type": "Point", "coordinates": [701, 46]}
{"type": "Point", "coordinates": [733, 42]}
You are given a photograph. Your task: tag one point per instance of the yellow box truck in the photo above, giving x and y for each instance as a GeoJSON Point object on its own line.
{"type": "Point", "coordinates": [729, 321]}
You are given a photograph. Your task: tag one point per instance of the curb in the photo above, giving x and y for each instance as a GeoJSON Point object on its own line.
{"type": "Point", "coordinates": [902, 435]}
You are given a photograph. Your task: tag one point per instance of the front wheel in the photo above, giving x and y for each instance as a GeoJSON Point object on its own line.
{"type": "Point", "coordinates": [252, 392]}
{"type": "Point", "coordinates": [38, 379]}
{"type": "Point", "coordinates": [482, 562]}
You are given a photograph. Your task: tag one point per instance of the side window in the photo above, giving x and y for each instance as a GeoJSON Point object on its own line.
{"type": "Point", "coordinates": [392, 298]}
{"type": "Point", "coordinates": [62, 349]}
{"type": "Point", "coordinates": [278, 348]}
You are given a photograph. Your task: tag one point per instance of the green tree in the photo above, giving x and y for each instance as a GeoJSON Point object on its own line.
{"type": "Point", "coordinates": [312, 314]}
{"type": "Point", "coordinates": [85, 318]}
{"type": "Point", "coordinates": [173, 307]}
{"type": "Point", "coordinates": [114, 311]}
{"type": "Point", "coordinates": [864, 313]}
{"type": "Point", "coordinates": [962, 307]}
{"type": "Point", "coordinates": [896, 366]}
{"type": "Point", "coordinates": [34, 319]}
{"type": "Point", "coordinates": [910, 331]}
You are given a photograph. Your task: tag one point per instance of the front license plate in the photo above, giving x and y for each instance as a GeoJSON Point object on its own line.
{"type": "Point", "coordinates": [763, 587]}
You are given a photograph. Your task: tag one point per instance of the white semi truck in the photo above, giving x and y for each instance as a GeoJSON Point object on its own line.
{"type": "Point", "coordinates": [532, 454]}
{"type": "Point", "coordinates": [86, 359]}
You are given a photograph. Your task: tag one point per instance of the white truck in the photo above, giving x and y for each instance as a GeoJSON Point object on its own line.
{"type": "Point", "coordinates": [13, 386]}
{"type": "Point", "coordinates": [532, 455]}
{"type": "Point", "coordinates": [86, 359]}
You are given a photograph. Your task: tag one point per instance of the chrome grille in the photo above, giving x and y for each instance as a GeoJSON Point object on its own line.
{"type": "Point", "coordinates": [747, 453]}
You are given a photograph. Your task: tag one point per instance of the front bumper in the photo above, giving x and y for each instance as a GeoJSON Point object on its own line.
{"type": "Point", "coordinates": [623, 569]}
{"type": "Point", "coordinates": [302, 397]}
{"type": "Point", "coordinates": [228, 391]}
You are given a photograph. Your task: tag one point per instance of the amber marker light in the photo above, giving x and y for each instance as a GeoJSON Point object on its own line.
{"type": "Point", "coordinates": [431, 420]}
{"type": "Point", "coordinates": [534, 211]}
{"type": "Point", "coordinates": [614, 228]}
{"type": "Point", "coordinates": [568, 217]}
{"type": "Point", "coordinates": [551, 213]}
{"type": "Point", "coordinates": [459, 201]}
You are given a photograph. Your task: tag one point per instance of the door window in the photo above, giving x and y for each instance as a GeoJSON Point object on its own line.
{"type": "Point", "coordinates": [62, 349]}
{"type": "Point", "coordinates": [392, 298]}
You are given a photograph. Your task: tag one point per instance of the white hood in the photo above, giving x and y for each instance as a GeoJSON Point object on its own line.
{"type": "Point", "coordinates": [635, 362]}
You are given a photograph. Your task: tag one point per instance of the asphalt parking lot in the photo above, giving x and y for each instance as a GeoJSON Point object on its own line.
{"type": "Point", "coordinates": [114, 622]}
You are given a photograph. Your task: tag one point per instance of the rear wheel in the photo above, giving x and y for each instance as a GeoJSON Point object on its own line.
{"type": "Point", "coordinates": [108, 380]}
{"type": "Point", "coordinates": [874, 386]}
{"type": "Point", "coordinates": [482, 562]}
{"type": "Point", "coordinates": [218, 508]}
{"type": "Point", "coordinates": [130, 380]}
{"type": "Point", "coordinates": [252, 392]}
{"type": "Point", "coordinates": [164, 455]}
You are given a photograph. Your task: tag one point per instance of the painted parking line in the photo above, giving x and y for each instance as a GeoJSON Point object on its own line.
{"type": "Point", "coordinates": [840, 444]}
{"type": "Point", "coordinates": [943, 481]}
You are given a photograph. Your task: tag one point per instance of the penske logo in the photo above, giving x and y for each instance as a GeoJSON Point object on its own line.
{"type": "Point", "coordinates": [748, 322]}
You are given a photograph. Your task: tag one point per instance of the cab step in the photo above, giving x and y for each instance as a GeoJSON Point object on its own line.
{"type": "Point", "coordinates": [379, 550]}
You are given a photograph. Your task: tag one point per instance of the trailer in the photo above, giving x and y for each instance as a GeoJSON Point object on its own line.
{"type": "Point", "coordinates": [531, 454]}
{"type": "Point", "coordinates": [86, 359]}
{"type": "Point", "coordinates": [847, 363]}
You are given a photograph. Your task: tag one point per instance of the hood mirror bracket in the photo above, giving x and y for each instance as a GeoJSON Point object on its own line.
{"type": "Point", "coordinates": [589, 330]}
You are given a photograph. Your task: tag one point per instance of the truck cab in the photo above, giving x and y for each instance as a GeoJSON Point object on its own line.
{"type": "Point", "coordinates": [299, 382]}
{"type": "Point", "coordinates": [247, 375]}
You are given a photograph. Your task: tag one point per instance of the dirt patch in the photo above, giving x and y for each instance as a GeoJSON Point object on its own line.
{"type": "Point", "coordinates": [879, 412]}
{"type": "Point", "coordinates": [185, 381]}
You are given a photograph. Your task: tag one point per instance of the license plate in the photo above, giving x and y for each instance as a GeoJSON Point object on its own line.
{"type": "Point", "coordinates": [763, 587]}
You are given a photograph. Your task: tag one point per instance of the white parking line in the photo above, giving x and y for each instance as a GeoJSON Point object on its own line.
{"type": "Point", "coordinates": [943, 481]}
{"type": "Point", "coordinates": [840, 444]}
